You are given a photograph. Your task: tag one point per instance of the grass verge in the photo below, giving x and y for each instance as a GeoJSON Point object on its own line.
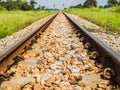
{"type": "Point", "coordinates": [12, 21]}
{"type": "Point", "coordinates": [107, 18]}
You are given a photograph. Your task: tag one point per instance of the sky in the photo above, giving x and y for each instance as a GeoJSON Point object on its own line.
{"type": "Point", "coordinates": [60, 4]}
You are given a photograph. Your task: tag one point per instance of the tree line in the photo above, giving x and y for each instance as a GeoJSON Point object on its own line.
{"type": "Point", "coordinates": [93, 3]}
{"type": "Point", "coordinates": [17, 5]}
{"type": "Point", "coordinates": [24, 5]}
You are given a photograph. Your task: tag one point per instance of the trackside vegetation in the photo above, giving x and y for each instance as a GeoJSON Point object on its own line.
{"type": "Point", "coordinates": [108, 18]}
{"type": "Point", "coordinates": [12, 21]}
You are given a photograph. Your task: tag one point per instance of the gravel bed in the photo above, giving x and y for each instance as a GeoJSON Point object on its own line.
{"type": "Point", "coordinates": [59, 62]}
{"type": "Point", "coordinates": [112, 40]}
{"type": "Point", "coordinates": [9, 40]}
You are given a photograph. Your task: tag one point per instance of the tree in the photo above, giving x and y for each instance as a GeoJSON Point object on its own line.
{"type": "Point", "coordinates": [17, 4]}
{"type": "Point", "coordinates": [43, 7]}
{"type": "Point", "coordinates": [77, 6]}
{"type": "Point", "coordinates": [101, 6]}
{"type": "Point", "coordinates": [90, 3]}
{"type": "Point", "coordinates": [32, 3]}
{"type": "Point", "coordinates": [119, 3]}
{"type": "Point", "coordinates": [0, 3]}
{"type": "Point", "coordinates": [39, 7]}
{"type": "Point", "coordinates": [0, 0]}
{"type": "Point", "coordinates": [112, 2]}
{"type": "Point", "coordinates": [10, 5]}
{"type": "Point", "coordinates": [25, 6]}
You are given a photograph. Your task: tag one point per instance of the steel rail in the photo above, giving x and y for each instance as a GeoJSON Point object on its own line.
{"type": "Point", "coordinates": [6, 56]}
{"type": "Point", "coordinates": [112, 58]}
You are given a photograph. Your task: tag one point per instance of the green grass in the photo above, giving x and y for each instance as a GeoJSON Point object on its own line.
{"type": "Point", "coordinates": [12, 21]}
{"type": "Point", "coordinates": [107, 18]}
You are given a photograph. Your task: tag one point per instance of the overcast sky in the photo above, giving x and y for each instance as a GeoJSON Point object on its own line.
{"type": "Point", "coordinates": [67, 3]}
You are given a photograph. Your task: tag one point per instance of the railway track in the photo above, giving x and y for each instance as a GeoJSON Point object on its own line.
{"type": "Point", "coordinates": [59, 55]}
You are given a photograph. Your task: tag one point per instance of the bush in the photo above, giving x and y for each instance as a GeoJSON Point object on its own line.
{"type": "Point", "coordinates": [117, 9]}
{"type": "Point", "coordinates": [114, 9]}
{"type": "Point", "coordinates": [2, 8]}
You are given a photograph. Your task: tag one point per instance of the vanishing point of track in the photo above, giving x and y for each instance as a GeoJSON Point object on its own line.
{"type": "Point", "coordinates": [59, 55]}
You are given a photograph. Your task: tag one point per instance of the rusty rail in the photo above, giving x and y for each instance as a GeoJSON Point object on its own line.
{"type": "Point", "coordinates": [6, 57]}
{"type": "Point", "coordinates": [108, 57]}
